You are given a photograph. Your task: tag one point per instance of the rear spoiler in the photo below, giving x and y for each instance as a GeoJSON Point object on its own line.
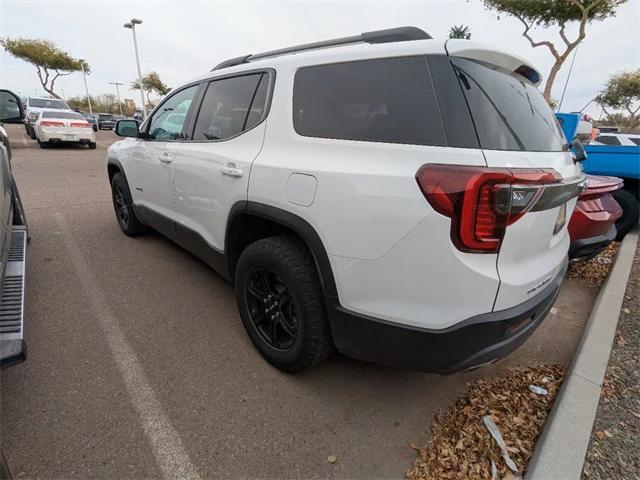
{"type": "Point", "coordinates": [494, 56]}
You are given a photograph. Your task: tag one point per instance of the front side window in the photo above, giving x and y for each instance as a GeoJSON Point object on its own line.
{"type": "Point", "coordinates": [383, 100]}
{"type": "Point", "coordinates": [231, 106]}
{"type": "Point", "coordinates": [508, 111]}
{"type": "Point", "coordinates": [167, 122]}
{"type": "Point", "coordinates": [608, 140]}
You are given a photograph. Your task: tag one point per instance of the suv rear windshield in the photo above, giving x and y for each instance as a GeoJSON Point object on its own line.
{"type": "Point", "coordinates": [47, 103]}
{"type": "Point", "coordinates": [509, 113]}
{"type": "Point", "coordinates": [105, 116]}
{"type": "Point", "coordinates": [69, 115]}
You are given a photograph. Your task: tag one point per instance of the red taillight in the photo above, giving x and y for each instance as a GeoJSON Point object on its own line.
{"type": "Point", "coordinates": [80, 125]}
{"type": "Point", "coordinates": [481, 201]}
{"type": "Point", "coordinates": [51, 123]}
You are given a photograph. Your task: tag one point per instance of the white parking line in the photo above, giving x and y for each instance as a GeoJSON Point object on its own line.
{"type": "Point", "coordinates": [102, 144]}
{"type": "Point", "coordinates": [168, 450]}
{"type": "Point", "coordinates": [24, 141]}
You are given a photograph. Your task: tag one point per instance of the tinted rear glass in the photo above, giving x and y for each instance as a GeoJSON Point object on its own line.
{"type": "Point", "coordinates": [383, 100]}
{"type": "Point", "coordinates": [608, 140]}
{"type": "Point", "coordinates": [509, 113]}
{"type": "Point", "coordinates": [47, 103]}
{"type": "Point", "coordinates": [65, 115]}
{"type": "Point", "coordinates": [106, 116]}
{"type": "Point", "coordinates": [635, 140]}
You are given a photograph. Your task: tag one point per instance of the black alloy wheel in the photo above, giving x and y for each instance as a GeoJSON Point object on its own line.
{"type": "Point", "coordinates": [271, 308]}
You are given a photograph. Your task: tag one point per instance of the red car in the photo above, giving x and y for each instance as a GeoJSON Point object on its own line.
{"type": "Point", "coordinates": [592, 225]}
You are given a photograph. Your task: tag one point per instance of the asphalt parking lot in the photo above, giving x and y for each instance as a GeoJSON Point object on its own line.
{"type": "Point", "coordinates": [138, 365]}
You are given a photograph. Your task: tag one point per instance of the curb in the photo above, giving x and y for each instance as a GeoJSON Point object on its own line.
{"type": "Point", "coordinates": [562, 447]}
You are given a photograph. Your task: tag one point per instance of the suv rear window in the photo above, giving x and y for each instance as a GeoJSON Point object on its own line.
{"type": "Point", "coordinates": [509, 113]}
{"type": "Point", "coordinates": [383, 100]}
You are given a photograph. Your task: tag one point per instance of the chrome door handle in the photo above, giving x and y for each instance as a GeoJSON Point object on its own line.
{"type": "Point", "coordinates": [231, 170]}
{"type": "Point", "coordinates": [165, 158]}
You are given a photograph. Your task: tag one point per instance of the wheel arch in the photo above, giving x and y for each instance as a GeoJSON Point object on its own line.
{"type": "Point", "coordinates": [114, 166]}
{"type": "Point", "coordinates": [251, 221]}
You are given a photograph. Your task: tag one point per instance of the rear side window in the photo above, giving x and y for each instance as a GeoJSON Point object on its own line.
{"type": "Point", "coordinates": [383, 100]}
{"type": "Point", "coordinates": [227, 108]}
{"type": "Point", "coordinates": [608, 140]}
{"type": "Point", "coordinates": [509, 113]}
{"type": "Point", "coordinates": [635, 140]}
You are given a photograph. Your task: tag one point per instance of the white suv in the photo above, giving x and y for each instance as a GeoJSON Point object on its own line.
{"type": "Point", "coordinates": [401, 198]}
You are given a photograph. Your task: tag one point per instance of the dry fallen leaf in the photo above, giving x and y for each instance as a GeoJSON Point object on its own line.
{"type": "Point", "coordinates": [460, 446]}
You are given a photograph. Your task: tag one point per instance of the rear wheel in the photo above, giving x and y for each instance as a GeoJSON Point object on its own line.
{"type": "Point", "coordinates": [281, 304]}
{"type": "Point", "coordinates": [43, 144]}
{"type": "Point", "coordinates": [92, 145]}
{"type": "Point", "coordinates": [630, 212]}
{"type": "Point", "coordinates": [123, 206]}
{"type": "Point", "coordinates": [32, 133]}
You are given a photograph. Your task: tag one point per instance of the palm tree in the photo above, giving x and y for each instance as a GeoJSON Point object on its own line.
{"type": "Point", "coordinates": [460, 32]}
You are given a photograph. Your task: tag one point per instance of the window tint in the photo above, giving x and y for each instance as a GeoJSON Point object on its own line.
{"type": "Point", "coordinates": [509, 112]}
{"type": "Point", "coordinates": [635, 140]}
{"type": "Point", "coordinates": [71, 115]}
{"type": "Point", "coordinates": [383, 100]}
{"type": "Point", "coordinates": [167, 122]}
{"type": "Point", "coordinates": [225, 107]}
{"type": "Point", "coordinates": [48, 103]}
{"type": "Point", "coordinates": [259, 104]}
{"type": "Point", "coordinates": [608, 140]}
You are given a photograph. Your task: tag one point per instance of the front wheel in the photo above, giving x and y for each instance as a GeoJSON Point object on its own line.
{"type": "Point", "coordinates": [630, 212]}
{"type": "Point", "coordinates": [281, 303]}
{"type": "Point", "coordinates": [123, 206]}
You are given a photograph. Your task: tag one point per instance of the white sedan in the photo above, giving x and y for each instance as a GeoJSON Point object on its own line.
{"type": "Point", "coordinates": [56, 126]}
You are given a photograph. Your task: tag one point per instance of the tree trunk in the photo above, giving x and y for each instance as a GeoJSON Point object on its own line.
{"type": "Point", "coordinates": [552, 78]}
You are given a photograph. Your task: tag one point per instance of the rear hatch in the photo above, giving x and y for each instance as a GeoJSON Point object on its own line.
{"type": "Point", "coordinates": [519, 135]}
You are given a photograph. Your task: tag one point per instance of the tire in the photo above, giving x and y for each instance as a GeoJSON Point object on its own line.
{"type": "Point", "coordinates": [26, 128]}
{"type": "Point", "coordinates": [630, 212]}
{"type": "Point", "coordinates": [43, 144]}
{"type": "Point", "coordinates": [92, 145]}
{"type": "Point", "coordinates": [288, 267]}
{"type": "Point", "coordinates": [95, 129]}
{"type": "Point", "coordinates": [32, 133]}
{"type": "Point", "coordinates": [123, 207]}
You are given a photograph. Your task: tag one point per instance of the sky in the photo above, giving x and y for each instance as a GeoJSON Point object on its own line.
{"type": "Point", "coordinates": [183, 39]}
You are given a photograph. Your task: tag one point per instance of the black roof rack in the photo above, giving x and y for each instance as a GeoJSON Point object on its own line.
{"type": "Point", "coordinates": [400, 34]}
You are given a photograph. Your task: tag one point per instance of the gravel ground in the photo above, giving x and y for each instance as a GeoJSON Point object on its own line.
{"type": "Point", "coordinates": [614, 451]}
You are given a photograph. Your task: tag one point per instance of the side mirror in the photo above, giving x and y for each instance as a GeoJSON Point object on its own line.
{"type": "Point", "coordinates": [578, 151]}
{"type": "Point", "coordinates": [10, 107]}
{"type": "Point", "coordinates": [127, 128]}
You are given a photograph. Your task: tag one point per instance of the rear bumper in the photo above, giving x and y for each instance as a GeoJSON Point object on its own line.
{"type": "Point", "coordinates": [586, 248]}
{"type": "Point", "coordinates": [472, 343]}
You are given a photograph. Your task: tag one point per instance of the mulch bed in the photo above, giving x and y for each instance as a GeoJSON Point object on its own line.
{"type": "Point", "coordinates": [614, 452]}
{"type": "Point", "coordinates": [461, 447]}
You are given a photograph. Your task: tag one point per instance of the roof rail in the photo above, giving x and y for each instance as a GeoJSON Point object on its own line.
{"type": "Point", "coordinates": [400, 34]}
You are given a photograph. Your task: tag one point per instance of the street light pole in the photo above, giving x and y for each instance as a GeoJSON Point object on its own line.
{"type": "Point", "coordinates": [132, 26]}
{"type": "Point", "coordinates": [118, 92]}
{"type": "Point", "coordinates": [86, 88]}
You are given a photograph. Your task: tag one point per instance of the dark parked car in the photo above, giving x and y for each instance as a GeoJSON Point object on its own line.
{"type": "Point", "coordinates": [105, 120]}
{"type": "Point", "coordinates": [91, 119]}
{"type": "Point", "coordinates": [13, 243]}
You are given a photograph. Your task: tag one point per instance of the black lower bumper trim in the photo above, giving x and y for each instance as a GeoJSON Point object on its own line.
{"type": "Point", "coordinates": [589, 247]}
{"type": "Point", "coordinates": [12, 352]}
{"type": "Point", "coordinates": [472, 343]}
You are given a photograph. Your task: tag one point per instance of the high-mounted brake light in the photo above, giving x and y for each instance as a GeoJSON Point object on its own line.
{"type": "Point", "coordinates": [51, 123]}
{"type": "Point", "coordinates": [481, 202]}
